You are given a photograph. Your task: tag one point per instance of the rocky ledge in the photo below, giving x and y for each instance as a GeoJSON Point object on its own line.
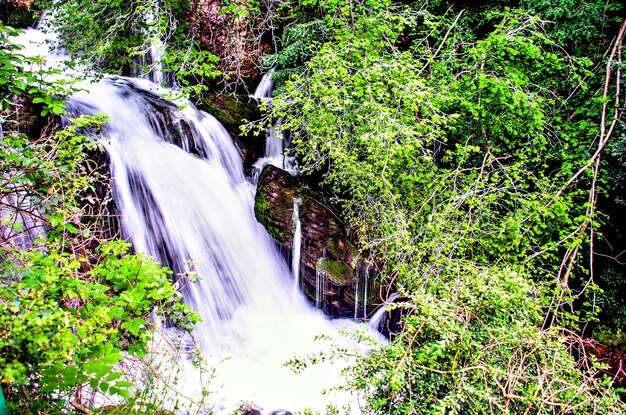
{"type": "Point", "coordinates": [331, 274]}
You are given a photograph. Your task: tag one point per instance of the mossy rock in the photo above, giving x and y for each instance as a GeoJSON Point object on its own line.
{"type": "Point", "coordinates": [266, 214]}
{"type": "Point", "coordinates": [338, 272]}
{"type": "Point", "coordinates": [273, 205]}
{"type": "Point", "coordinates": [231, 110]}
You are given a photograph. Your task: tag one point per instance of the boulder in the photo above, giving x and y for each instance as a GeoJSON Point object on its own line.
{"type": "Point", "coordinates": [332, 276]}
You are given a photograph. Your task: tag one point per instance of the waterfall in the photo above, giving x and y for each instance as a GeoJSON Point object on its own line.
{"type": "Point", "coordinates": [356, 300]}
{"type": "Point", "coordinates": [275, 142]}
{"type": "Point", "coordinates": [180, 187]}
{"type": "Point", "coordinates": [319, 292]}
{"type": "Point", "coordinates": [362, 293]}
{"type": "Point", "coordinates": [184, 200]}
{"type": "Point", "coordinates": [264, 89]}
{"type": "Point", "coordinates": [380, 314]}
{"type": "Point", "coordinates": [157, 47]}
{"type": "Point", "coordinates": [365, 293]}
{"type": "Point", "coordinates": [297, 245]}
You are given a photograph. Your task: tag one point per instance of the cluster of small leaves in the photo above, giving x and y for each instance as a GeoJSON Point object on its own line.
{"type": "Point", "coordinates": [610, 299]}
{"type": "Point", "coordinates": [62, 327]}
{"type": "Point", "coordinates": [49, 181]}
{"type": "Point", "coordinates": [577, 24]}
{"type": "Point", "coordinates": [22, 75]}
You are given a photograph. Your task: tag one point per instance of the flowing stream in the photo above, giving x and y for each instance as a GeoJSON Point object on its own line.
{"type": "Point", "coordinates": [184, 199]}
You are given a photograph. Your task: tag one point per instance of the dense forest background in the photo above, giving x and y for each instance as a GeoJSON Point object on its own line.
{"type": "Point", "coordinates": [475, 149]}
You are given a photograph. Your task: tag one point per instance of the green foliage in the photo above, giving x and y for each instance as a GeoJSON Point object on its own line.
{"type": "Point", "coordinates": [615, 338]}
{"type": "Point", "coordinates": [21, 75]}
{"type": "Point", "coordinates": [578, 25]}
{"type": "Point", "coordinates": [53, 178]}
{"type": "Point", "coordinates": [62, 329]}
{"type": "Point", "coordinates": [116, 37]}
{"type": "Point", "coordinates": [480, 351]}
{"type": "Point", "coordinates": [610, 299]}
{"type": "Point", "coordinates": [452, 154]}
{"type": "Point", "coordinates": [616, 180]}
{"type": "Point", "coordinates": [392, 129]}
{"type": "Point", "coordinates": [297, 41]}
{"type": "Point", "coordinates": [74, 305]}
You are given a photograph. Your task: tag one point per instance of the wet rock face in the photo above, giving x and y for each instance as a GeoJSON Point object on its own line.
{"type": "Point", "coordinates": [328, 277]}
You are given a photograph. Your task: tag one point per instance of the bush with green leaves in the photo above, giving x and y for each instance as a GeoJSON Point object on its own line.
{"type": "Point", "coordinates": [480, 351]}
{"type": "Point", "coordinates": [74, 301]}
{"type": "Point", "coordinates": [63, 327]}
{"type": "Point", "coordinates": [467, 168]}
{"type": "Point", "coordinates": [18, 80]}
{"type": "Point", "coordinates": [469, 131]}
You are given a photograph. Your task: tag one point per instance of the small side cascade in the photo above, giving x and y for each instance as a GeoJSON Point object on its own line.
{"type": "Point", "coordinates": [153, 57]}
{"type": "Point", "coordinates": [321, 282]}
{"type": "Point", "coordinates": [264, 89]}
{"type": "Point", "coordinates": [356, 301]}
{"type": "Point", "coordinates": [362, 291]}
{"type": "Point", "coordinates": [321, 287]}
{"type": "Point", "coordinates": [276, 144]}
{"type": "Point", "coordinates": [297, 245]}
{"type": "Point", "coordinates": [365, 297]}
{"type": "Point", "coordinates": [380, 314]}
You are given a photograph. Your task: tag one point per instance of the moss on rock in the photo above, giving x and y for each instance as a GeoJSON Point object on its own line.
{"type": "Point", "coordinates": [266, 213]}
{"type": "Point", "coordinates": [338, 272]}
{"type": "Point", "coordinates": [231, 110]}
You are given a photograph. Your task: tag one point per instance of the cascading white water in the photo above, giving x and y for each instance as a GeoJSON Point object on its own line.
{"type": "Point", "coordinates": [380, 314]}
{"type": "Point", "coordinates": [180, 187]}
{"type": "Point", "coordinates": [264, 89]}
{"type": "Point", "coordinates": [320, 289]}
{"type": "Point", "coordinates": [356, 299]}
{"type": "Point", "coordinates": [157, 47]}
{"type": "Point", "coordinates": [365, 293]}
{"type": "Point", "coordinates": [297, 245]}
{"type": "Point", "coordinates": [275, 144]}
{"type": "Point", "coordinates": [362, 293]}
{"type": "Point", "coordinates": [184, 200]}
